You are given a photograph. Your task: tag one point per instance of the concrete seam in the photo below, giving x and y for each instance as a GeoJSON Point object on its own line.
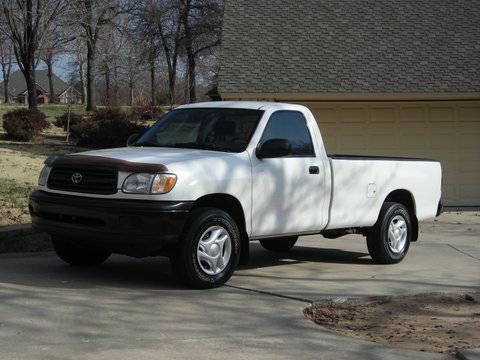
{"type": "Point", "coordinates": [463, 252]}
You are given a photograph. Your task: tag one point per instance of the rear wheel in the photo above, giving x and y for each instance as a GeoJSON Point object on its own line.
{"type": "Point", "coordinates": [209, 250]}
{"type": "Point", "coordinates": [389, 239]}
{"type": "Point", "coordinates": [279, 244]}
{"type": "Point", "coordinates": [79, 255]}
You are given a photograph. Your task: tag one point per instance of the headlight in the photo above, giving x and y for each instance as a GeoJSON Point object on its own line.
{"type": "Point", "coordinates": [144, 183]}
{"type": "Point", "coordinates": [42, 178]}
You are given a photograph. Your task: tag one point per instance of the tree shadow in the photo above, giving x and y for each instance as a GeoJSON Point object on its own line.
{"type": "Point", "coordinates": [261, 258]}
{"type": "Point", "coordinates": [148, 273]}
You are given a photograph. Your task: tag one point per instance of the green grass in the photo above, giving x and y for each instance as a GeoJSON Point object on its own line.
{"type": "Point", "coordinates": [50, 110]}
{"type": "Point", "coordinates": [15, 193]}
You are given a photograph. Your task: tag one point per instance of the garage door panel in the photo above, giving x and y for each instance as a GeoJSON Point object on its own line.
{"type": "Point", "coordinates": [382, 114]}
{"type": "Point", "coordinates": [469, 194]}
{"type": "Point", "coordinates": [348, 128]}
{"type": "Point", "coordinates": [412, 114]}
{"type": "Point", "coordinates": [469, 113]}
{"type": "Point", "coordinates": [352, 115]}
{"type": "Point", "coordinates": [441, 114]}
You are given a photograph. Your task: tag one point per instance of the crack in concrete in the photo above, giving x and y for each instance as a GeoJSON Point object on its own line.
{"type": "Point", "coordinates": [269, 293]}
{"type": "Point", "coordinates": [463, 252]}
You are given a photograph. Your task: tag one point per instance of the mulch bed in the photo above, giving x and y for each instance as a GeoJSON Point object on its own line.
{"type": "Point", "coordinates": [433, 322]}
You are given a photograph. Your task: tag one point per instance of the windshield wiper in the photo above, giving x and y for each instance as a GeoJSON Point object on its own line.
{"type": "Point", "coordinates": [192, 145]}
{"type": "Point", "coordinates": [147, 143]}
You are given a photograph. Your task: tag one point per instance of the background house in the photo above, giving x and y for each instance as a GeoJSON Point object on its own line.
{"type": "Point", "coordinates": [64, 93]}
{"type": "Point", "coordinates": [382, 77]}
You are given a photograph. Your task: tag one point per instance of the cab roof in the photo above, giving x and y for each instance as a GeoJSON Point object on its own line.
{"type": "Point", "coordinates": [253, 105]}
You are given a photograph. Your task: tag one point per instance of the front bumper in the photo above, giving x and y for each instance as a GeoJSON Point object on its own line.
{"type": "Point", "coordinates": [132, 227]}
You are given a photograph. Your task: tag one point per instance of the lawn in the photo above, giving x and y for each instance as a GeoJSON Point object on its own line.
{"type": "Point", "coordinates": [54, 110]}
{"type": "Point", "coordinates": [20, 164]}
{"type": "Point", "coordinates": [50, 110]}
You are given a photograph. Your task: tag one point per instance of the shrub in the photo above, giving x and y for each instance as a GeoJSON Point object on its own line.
{"type": "Point", "coordinates": [62, 120]}
{"type": "Point", "coordinates": [143, 111]}
{"type": "Point", "coordinates": [105, 128]}
{"type": "Point", "coordinates": [24, 124]}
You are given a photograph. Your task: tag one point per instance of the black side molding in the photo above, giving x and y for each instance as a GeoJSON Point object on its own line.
{"type": "Point", "coordinates": [375, 157]}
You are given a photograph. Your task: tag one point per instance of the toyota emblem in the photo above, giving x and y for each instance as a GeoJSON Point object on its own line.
{"type": "Point", "coordinates": [77, 178]}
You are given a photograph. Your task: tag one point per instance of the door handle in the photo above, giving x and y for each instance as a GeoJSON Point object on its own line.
{"type": "Point", "coordinates": [314, 170]}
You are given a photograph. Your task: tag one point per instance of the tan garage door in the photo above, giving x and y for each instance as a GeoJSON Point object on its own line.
{"type": "Point", "coordinates": [446, 131]}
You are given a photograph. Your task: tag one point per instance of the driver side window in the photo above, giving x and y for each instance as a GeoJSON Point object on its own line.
{"type": "Point", "coordinates": [291, 126]}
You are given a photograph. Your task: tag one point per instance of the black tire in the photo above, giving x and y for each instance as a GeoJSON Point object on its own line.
{"type": "Point", "coordinates": [282, 244]}
{"type": "Point", "coordinates": [185, 263]}
{"type": "Point", "coordinates": [79, 255]}
{"type": "Point", "coordinates": [379, 246]}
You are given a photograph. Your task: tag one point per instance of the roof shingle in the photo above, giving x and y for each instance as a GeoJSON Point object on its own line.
{"type": "Point", "coordinates": [350, 46]}
{"type": "Point", "coordinates": [17, 84]}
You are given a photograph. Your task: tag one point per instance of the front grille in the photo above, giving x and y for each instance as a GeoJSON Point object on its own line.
{"type": "Point", "coordinates": [92, 180]}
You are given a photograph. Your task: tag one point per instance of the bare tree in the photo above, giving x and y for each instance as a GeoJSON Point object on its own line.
{"type": "Point", "coordinates": [52, 46]}
{"type": "Point", "coordinates": [6, 56]}
{"type": "Point", "coordinates": [92, 16]}
{"type": "Point", "coordinates": [80, 61]}
{"type": "Point", "coordinates": [132, 65]}
{"type": "Point", "coordinates": [145, 33]}
{"type": "Point", "coordinates": [169, 28]}
{"type": "Point", "coordinates": [202, 24]}
{"type": "Point", "coordinates": [27, 23]}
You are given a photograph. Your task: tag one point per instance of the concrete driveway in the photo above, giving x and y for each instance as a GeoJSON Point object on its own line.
{"type": "Point", "coordinates": [132, 309]}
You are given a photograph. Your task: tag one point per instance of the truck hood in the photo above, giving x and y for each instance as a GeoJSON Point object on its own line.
{"type": "Point", "coordinates": [157, 156]}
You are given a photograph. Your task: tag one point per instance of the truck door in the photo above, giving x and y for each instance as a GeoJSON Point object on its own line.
{"type": "Point", "coordinates": [287, 191]}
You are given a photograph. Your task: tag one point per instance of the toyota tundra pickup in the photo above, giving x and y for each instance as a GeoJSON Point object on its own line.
{"type": "Point", "coordinates": [207, 178]}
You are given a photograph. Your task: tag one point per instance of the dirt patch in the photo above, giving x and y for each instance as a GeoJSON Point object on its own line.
{"type": "Point", "coordinates": [426, 322]}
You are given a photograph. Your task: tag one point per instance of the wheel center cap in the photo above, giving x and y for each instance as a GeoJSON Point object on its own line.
{"type": "Point", "coordinates": [214, 250]}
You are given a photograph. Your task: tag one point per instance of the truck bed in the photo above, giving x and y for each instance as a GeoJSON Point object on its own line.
{"type": "Point", "coordinates": [360, 184]}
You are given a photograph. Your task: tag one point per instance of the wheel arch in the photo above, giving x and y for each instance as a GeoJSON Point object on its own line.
{"type": "Point", "coordinates": [406, 198]}
{"type": "Point", "coordinates": [231, 205]}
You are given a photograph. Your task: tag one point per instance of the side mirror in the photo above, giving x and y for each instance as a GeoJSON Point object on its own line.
{"type": "Point", "coordinates": [132, 139]}
{"type": "Point", "coordinates": [274, 148]}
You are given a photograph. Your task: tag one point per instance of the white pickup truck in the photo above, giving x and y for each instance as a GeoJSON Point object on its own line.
{"type": "Point", "coordinates": [208, 178]}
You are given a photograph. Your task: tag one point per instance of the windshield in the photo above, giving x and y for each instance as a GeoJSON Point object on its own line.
{"type": "Point", "coordinates": [218, 129]}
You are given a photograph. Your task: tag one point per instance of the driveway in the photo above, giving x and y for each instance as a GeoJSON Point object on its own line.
{"type": "Point", "coordinates": [131, 308]}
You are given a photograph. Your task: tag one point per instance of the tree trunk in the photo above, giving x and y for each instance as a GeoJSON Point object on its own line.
{"type": "Point", "coordinates": [107, 86]}
{"type": "Point", "coordinates": [5, 90]}
{"type": "Point", "coordinates": [29, 74]}
{"type": "Point", "coordinates": [152, 81]}
{"type": "Point", "coordinates": [130, 89]}
{"type": "Point", "coordinates": [91, 105]}
{"type": "Point", "coordinates": [115, 86]}
{"type": "Point", "coordinates": [6, 67]}
{"type": "Point", "coordinates": [171, 87]}
{"type": "Point", "coordinates": [191, 77]}
{"type": "Point", "coordinates": [50, 81]}
{"type": "Point", "coordinates": [82, 81]}
{"type": "Point", "coordinates": [190, 53]}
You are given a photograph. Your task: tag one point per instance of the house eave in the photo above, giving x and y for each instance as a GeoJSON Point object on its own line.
{"type": "Point", "coordinates": [351, 96]}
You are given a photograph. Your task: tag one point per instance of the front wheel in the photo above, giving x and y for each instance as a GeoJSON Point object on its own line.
{"type": "Point", "coordinates": [389, 239]}
{"type": "Point", "coordinates": [77, 254]}
{"type": "Point", "coordinates": [282, 244]}
{"type": "Point", "coordinates": [209, 250]}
